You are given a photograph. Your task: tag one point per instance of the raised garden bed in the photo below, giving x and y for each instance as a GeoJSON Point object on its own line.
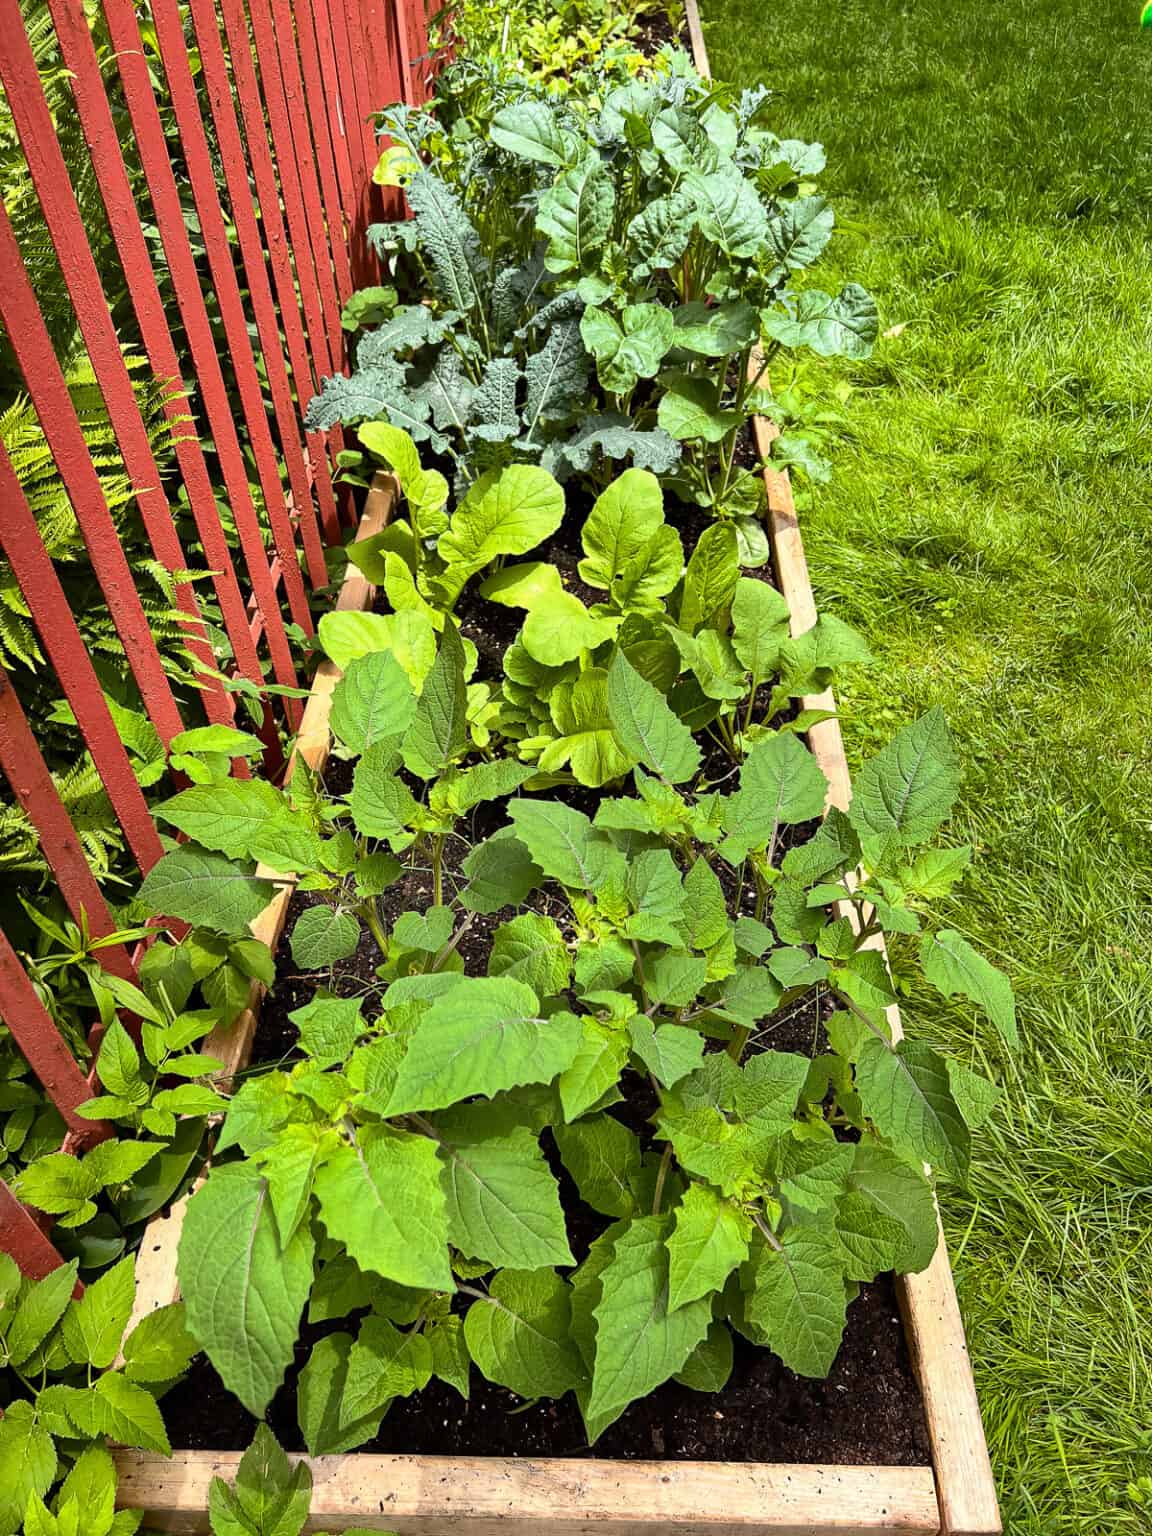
{"type": "Point", "coordinates": [418, 1495]}
{"type": "Point", "coordinates": [921, 1467]}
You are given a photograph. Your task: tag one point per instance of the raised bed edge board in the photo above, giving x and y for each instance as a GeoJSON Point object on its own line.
{"type": "Point", "coordinates": [933, 1324]}
{"type": "Point", "coordinates": [500, 1496]}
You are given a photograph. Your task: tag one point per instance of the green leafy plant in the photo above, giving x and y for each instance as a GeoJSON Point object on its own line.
{"type": "Point", "coordinates": [76, 1376]}
{"type": "Point", "coordinates": [268, 1496]}
{"type": "Point", "coordinates": [668, 237]}
{"type": "Point", "coordinates": [768, 1186]}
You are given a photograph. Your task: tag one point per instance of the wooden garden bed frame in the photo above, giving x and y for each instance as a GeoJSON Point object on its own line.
{"type": "Point", "coordinates": [502, 1496]}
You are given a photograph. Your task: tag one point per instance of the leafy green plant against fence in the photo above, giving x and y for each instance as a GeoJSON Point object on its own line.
{"type": "Point", "coordinates": [658, 245]}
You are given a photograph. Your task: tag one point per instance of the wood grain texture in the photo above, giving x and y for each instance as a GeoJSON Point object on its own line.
{"type": "Point", "coordinates": [434, 1496]}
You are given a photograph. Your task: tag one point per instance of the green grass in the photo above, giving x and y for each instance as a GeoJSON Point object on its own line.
{"type": "Point", "coordinates": [990, 529]}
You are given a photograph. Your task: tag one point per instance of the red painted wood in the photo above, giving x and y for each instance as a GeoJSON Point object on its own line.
{"type": "Point", "coordinates": [43, 1048]}
{"type": "Point", "coordinates": [21, 543]}
{"type": "Point", "coordinates": [308, 59]}
{"type": "Point", "coordinates": [202, 176]}
{"type": "Point", "coordinates": [22, 1239]}
{"type": "Point", "coordinates": [50, 174]}
{"type": "Point", "coordinates": [133, 66]}
{"type": "Point", "coordinates": [298, 179]}
{"type": "Point", "coordinates": [306, 373]}
{"type": "Point", "coordinates": [365, 97]}
{"type": "Point", "coordinates": [45, 384]}
{"type": "Point", "coordinates": [232, 155]}
{"type": "Point", "coordinates": [32, 784]}
{"type": "Point", "coordinates": [334, 86]}
{"type": "Point", "coordinates": [100, 133]}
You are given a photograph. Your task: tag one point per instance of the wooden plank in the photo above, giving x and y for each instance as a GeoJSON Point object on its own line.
{"type": "Point", "coordinates": [492, 1496]}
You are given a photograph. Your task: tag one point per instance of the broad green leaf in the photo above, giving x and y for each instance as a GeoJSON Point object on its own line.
{"type": "Point", "coordinates": [246, 819]}
{"type": "Point", "coordinates": [533, 130]}
{"type": "Point", "coordinates": [329, 1028]}
{"type": "Point", "coordinates": [565, 844]}
{"type": "Point", "coordinates": [383, 1364]}
{"type": "Point", "coordinates": [715, 330]}
{"type": "Point", "coordinates": [560, 628]}
{"type": "Point", "coordinates": [781, 784]}
{"type": "Point", "coordinates": [709, 1366]}
{"type": "Point", "coordinates": [531, 948]}
{"type": "Point", "coordinates": [907, 1095]}
{"type": "Point", "coordinates": [269, 1497]}
{"type": "Point", "coordinates": [689, 409]}
{"type": "Point", "coordinates": [844, 326]}
{"type": "Point", "coordinates": [728, 210]}
{"type": "Point", "coordinates": [640, 1343]}
{"type": "Point", "coordinates": [711, 577]}
{"type": "Point", "coordinates": [871, 1242]}
{"type": "Point", "coordinates": [769, 1086]}
{"type": "Point", "coordinates": [217, 738]}
{"type": "Point", "coordinates": [27, 1463]}
{"type": "Point", "coordinates": [575, 214]}
{"type": "Point", "coordinates": [381, 803]}
{"type": "Point", "coordinates": [244, 1292]}
{"type": "Point", "coordinates": [507, 512]}
{"type": "Point", "coordinates": [709, 1240]}
{"type": "Point", "coordinates": [975, 1096]}
{"type": "Point", "coordinates": [500, 873]}
{"type": "Point", "coordinates": [602, 1056]}
{"type": "Point", "coordinates": [373, 701]}
{"type": "Point", "coordinates": [206, 889]}
{"type": "Point", "coordinates": [902, 794]}
{"type": "Point", "coordinates": [382, 1198]}
{"type": "Point", "coordinates": [320, 1395]}
{"type": "Point", "coordinates": [901, 1192]}
{"type": "Point", "coordinates": [630, 348]}
{"type": "Point", "coordinates": [521, 1338]}
{"type": "Point", "coordinates": [934, 872]}
{"type": "Point", "coordinates": [587, 741]}
{"type": "Point", "coordinates": [42, 1304]}
{"type": "Point", "coordinates": [504, 1202]}
{"type": "Point", "coordinates": [813, 1173]}
{"type": "Point", "coordinates": [705, 914]}
{"type": "Point", "coordinates": [128, 1414]}
{"type": "Point", "coordinates": [603, 1158]}
{"type": "Point", "coordinates": [486, 781]}
{"type": "Point", "coordinates": [645, 725]}
{"type": "Point", "coordinates": [438, 732]}
{"type": "Point", "coordinates": [482, 1037]}
{"type": "Point", "coordinates": [658, 235]}
{"type": "Point", "coordinates": [159, 1347]}
{"type": "Point", "coordinates": [451, 1361]}
{"type": "Point", "coordinates": [952, 965]}
{"type": "Point", "coordinates": [759, 626]}
{"type": "Point", "coordinates": [800, 231]}
{"type": "Point", "coordinates": [797, 1301]}
{"type": "Point", "coordinates": [728, 1155]}
{"type": "Point", "coordinates": [323, 935]}
{"type": "Point", "coordinates": [668, 1051]}
{"type": "Point", "coordinates": [556, 377]}
{"type": "Point", "coordinates": [94, 1323]}
{"type": "Point", "coordinates": [623, 520]}
{"type": "Point", "coordinates": [410, 637]}
{"type": "Point", "coordinates": [674, 977]}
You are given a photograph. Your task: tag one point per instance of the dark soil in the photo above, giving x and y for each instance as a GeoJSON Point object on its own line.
{"type": "Point", "coordinates": [867, 1412]}
{"type": "Point", "coordinates": [656, 29]}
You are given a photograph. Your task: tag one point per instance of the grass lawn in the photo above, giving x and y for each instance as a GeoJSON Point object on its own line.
{"type": "Point", "coordinates": [990, 529]}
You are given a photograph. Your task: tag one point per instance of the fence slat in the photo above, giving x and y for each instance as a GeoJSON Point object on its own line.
{"type": "Point", "coordinates": [50, 175]}
{"type": "Point", "coordinates": [100, 134]}
{"type": "Point", "coordinates": [209, 207]}
{"type": "Point", "coordinates": [232, 155]}
{"type": "Point", "coordinates": [333, 87]}
{"type": "Point", "coordinates": [298, 309]}
{"type": "Point", "coordinates": [21, 543]}
{"type": "Point", "coordinates": [21, 1237]}
{"type": "Point", "coordinates": [32, 784]}
{"type": "Point", "coordinates": [43, 1048]}
{"type": "Point", "coordinates": [45, 384]}
{"type": "Point", "coordinates": [133, 67]}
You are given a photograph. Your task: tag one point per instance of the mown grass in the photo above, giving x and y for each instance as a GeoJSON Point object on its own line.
{"type": "Point", "coordinates": [990, 528]}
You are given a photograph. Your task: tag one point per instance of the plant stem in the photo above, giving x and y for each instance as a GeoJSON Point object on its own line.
{"type": "Point", "coordinates": [661, 1175]}
{"type": "Point", "coordinates": [438, 871]}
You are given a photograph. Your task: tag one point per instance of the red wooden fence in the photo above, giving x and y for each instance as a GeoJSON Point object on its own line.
{"type": "Point", "coordinates": [256, 117]}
